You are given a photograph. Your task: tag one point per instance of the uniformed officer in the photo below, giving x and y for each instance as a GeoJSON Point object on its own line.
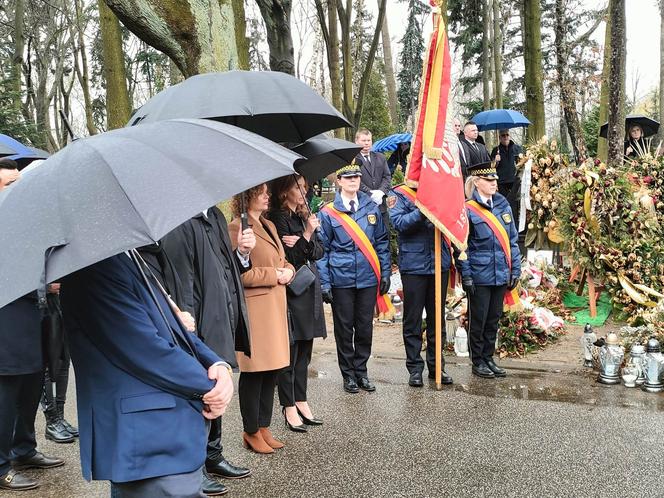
{"type": "Point", "coordinates": [493, 265]}
{"type": "Point", "coordinates": [416, 266]}
{"type": "Point", "coordinates": [356, 247]}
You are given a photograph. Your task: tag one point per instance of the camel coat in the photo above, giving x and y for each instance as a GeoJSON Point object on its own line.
{"type": "Point", "coordinates": [266, 300]}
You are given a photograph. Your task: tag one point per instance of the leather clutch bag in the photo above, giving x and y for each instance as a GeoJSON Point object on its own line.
{"type": "Point", "coordinates": [302, 280]}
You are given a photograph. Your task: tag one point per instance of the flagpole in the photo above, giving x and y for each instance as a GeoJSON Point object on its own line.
{"type": "Point", "coordinates": [438, 280]}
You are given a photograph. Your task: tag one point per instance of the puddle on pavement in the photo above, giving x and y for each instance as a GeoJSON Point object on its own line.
{"type": "Point", "coordinates": [580, 389]}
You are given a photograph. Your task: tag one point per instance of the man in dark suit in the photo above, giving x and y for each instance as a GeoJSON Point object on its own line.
{"type": "Point", "coordinates": [470, 150]}
{"type": "Point", "coordinates": [376, 177]}
{"type": "Point", "coordinates": [21, 375]}
{"type": "Point", "coordinates": [212, 291]}
{"type": "Point", "coordinates": [145, 385]}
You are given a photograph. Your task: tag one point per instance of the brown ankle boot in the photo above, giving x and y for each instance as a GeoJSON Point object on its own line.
{"type": "Point", "coordinates": [255, 442]}
{"type": "Point", "coordinates": [269, 438]}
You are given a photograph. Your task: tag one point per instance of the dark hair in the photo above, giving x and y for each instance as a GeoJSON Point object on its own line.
{"type": "Point", "coordinates": [249, 195]}
{"type": "Point", "coordinates": [470, 123]}
{"type": "Point", "coordinates": [6, 163]}
{"type": "Point", "coordinates": [279, 192]}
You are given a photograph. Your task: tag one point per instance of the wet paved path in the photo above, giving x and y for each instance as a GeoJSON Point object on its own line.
{"type": "Point", "coordinates": [534, 433]}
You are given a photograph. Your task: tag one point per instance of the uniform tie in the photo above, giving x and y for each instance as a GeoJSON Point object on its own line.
{"type": "Point", "coordinates": [352, 206]}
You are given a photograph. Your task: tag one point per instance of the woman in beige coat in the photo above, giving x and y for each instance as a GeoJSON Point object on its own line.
{"type": "Point", "coordinates": [265, 291]}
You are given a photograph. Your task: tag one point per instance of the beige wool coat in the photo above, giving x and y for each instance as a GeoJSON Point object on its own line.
{"type": "Point", "coordinates": [266, 300]}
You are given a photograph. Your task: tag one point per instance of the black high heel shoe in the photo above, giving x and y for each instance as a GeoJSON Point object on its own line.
{"type": "Point", "coordinates": [309, 421]}
{"type": "Point", "coordinates": [289, 426]}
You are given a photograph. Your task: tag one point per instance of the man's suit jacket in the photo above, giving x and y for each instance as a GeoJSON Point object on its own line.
{"type": "Point", "coordinates": [471, 155]}
{"type": "Point", "coordinates": [138, 388]}
{"type": "Point", "coordinates": [21, 337]}
{"type": "Point", "coordinates": [375, 174]}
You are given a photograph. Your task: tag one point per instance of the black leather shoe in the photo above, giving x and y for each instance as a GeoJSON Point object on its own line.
{"type": "Point", "coordinates": [14, 481]}
{"type": "Point", "coordinates": [291, 427]}
{"type": "Point", "coordinates": [483, 371]}
{"type": "Point", "coordinates": [497, 371]}
{"type": "Point", "coordinates": [58, 433]}
{"type": "Point", "coordinates": [309, 421]}
{"type": "Point", "coordinates": [444, 378]}
{"type": "Point", "coordinates": [415, 379]}
{"type": "Point", "coordinates": [37, 461]}
{"type": "Point", "coordinates": [224, 468]}
{"type": "Point", "coordinates": [350, 386]}
{"type": "Point", "coordinates": [72, 429]}
{"type": "Point", "coordinates": [212, 487]}
{"type": "Point", "coordinates": [365, 384]}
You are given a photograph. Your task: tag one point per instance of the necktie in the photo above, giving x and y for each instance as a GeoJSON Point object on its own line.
{"type": "Point", "coordinates": [352, 206]}
{"type": "Point", "coordinates": [367, 159]}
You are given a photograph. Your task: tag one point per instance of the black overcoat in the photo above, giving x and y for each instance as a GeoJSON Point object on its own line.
{"type": "Point", "coordinates": [199, 249]}
{"type": "Point", "coordinates": [21, 337]}
{"type": "Point", "coordinates": [306, 310]}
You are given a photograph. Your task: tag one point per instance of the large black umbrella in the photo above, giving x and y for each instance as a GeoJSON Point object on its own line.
{"type": "Point", "coordinates": [323, 156]}
{"type": "Point", "coordinates": [648, 125]}
{"type": "Point", "coordinates": [274, 105]}
{"type": "Point", "coordinates": [123, 189]}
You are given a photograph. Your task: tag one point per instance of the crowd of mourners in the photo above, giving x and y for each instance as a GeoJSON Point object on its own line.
{"type": "Point", "coordinates": [156, 333]}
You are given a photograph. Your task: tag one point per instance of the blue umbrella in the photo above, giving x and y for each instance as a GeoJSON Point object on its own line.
{"type": "Point", "coordinates": [498, 119]}
{"type": "Point", "coordinates": [25, 158]}
{"type": "Point", "coordinates": [14, 147]}
{"type": "Point", "coordinates": [391, 142]}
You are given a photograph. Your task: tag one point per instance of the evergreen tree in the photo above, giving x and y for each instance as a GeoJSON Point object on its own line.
{"type": "Point", "coordinates": [410, 61]}
{"type": "Point", "coordinates": [376, 113]}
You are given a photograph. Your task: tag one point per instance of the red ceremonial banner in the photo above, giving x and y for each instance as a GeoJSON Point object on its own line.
{"type": "Point", "coordinates": [433, 164]}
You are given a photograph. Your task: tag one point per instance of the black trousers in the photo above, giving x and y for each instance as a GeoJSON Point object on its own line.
{"type": "Point", "coordinates": [256, 393]}
{"type": "Point", "coordinates": [215, 447]}
{"type": "Point", "coordinates": [292, 381]}
{"type": "Point", "coordinates": [419, 293]}
{"type": "Point", "coordinates": [19, 400]}
{"type": "Point", "coordinates": [352, 311]}
{"type": "Point", "coordinates": [485, 309]}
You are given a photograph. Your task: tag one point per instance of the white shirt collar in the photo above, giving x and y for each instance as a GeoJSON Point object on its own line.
{"type": "Point", "coordinates": [347, 202]}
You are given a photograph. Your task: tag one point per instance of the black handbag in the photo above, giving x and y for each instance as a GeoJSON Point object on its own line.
{"type": "Point", "coordinates": [302, 280]}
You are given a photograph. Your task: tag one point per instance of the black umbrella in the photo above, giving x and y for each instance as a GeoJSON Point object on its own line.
{"type": "Point", "coordinates": [324, 155]}
{"type": "Point", "coordinates": [274, 105]}
{"type": "Point", "coordinates": [648, 125]}
{"type": "Point", "coordinates": [123, 189]}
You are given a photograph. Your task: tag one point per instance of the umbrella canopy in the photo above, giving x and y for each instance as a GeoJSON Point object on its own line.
{"type": "Point", "coordinates": [324, 155]}
{"type": "Point", "coordinates": [26, 157]}
{"type": "Point", "coordinates": [274, 105]}
{"type": "Point", "coordinates": [12, 147]}
{"type": "Point", "coordinates": [498, 119]}
{"type": "Point", "coordinates": [649, 126]}
{"type": "Point", "coordinates": [123, 189]}
{"type": "Point", "coordinates": [391, 142]}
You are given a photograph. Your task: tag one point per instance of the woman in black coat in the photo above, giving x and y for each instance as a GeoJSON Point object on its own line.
{"type": "Point", "coordinates": [297, 230]}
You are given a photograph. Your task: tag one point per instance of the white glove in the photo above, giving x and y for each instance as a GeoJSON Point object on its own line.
{"type": "Point", "coordinates": [377, 196]}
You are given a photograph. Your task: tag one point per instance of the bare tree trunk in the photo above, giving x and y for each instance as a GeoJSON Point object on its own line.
{"type": "Point", "coordinates": [497, 56]}
{"type": "Point", "coordinates": [241, 40]}
{"type": "Point", "coordinates": [198, 35]}
{"type": "Point", "coordinates": [616, 107]}
{"type": "Point", "coordinates": [328, 19]}
{"type": "Point", "coordinates": [567, 91]}
{"type": "Point", "coordinates": [602, 143]}
{"type": "Point", "coordinates": [345, 15]}
{"type": "Point", "coordinates": [17, 58]}
{"type": "Point", "coordinates": [532, 54]}
{"type": "Point", "coordinates": [390, 81]}
{"type": "Point", "coordinates": [486, 56]}
{"type": "Point", "coordinates": [118, 108]}
{"type": "Point", "coordinates": [276, 15]}
{"type": "Point", "coordinates": [83, 72]}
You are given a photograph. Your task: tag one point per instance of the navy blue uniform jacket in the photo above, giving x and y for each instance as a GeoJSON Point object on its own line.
{"type": "Point", "coordinates": [415, 239]}
{"type": "Point", "coordinates": [343, 265]}
{"type": "Point", "coordinates": [138, 393]}
{"type": "Point", "coordinates": [486, 263]}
